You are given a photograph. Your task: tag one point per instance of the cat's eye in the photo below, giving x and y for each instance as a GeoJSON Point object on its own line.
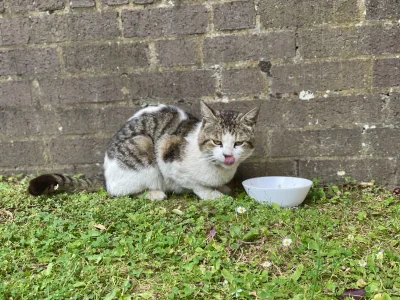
{"type": "Point", "coordinates": [238, 144]}
{"type": "Point", "coordinates": [218, 143]}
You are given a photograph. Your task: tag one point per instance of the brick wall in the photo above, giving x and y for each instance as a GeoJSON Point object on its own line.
{"type": "Point", "coordinates": [326, 74]}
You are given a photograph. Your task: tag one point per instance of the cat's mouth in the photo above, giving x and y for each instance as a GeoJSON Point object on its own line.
{"type": "Point", "coordinates": [229, 160]}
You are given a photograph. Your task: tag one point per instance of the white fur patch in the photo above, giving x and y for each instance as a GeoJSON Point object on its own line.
{"type": "Point", "coordinates": [147, 110]}
{"type": "Point", "coordinates": [121, 182]}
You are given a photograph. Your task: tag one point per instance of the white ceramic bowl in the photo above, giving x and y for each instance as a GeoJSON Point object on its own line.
{"type": "Point", "coordinates": [284, 191]}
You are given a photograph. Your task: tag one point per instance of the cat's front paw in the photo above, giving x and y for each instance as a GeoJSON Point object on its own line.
{"type": "Point", "coordinates": [210, 195]}
{"type": "Point", "coordinates": [155, 195]}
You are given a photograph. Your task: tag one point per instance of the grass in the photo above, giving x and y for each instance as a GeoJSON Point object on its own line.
{"type": "Point", "coordinates": [92, 246]}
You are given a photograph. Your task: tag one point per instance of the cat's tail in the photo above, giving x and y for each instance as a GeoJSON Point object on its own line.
{"type": "Point", "coordinates": [49, 183]}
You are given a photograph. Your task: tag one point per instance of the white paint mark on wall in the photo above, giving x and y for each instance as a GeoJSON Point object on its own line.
{"type": "Point", "coordinates": [306, 95]}
{"type": "Point", "coordinates": [125, 91]}
{"type": "Point", "coordinates": [366, 127]}
{"type": "Point", "coordinates": [225, 99]}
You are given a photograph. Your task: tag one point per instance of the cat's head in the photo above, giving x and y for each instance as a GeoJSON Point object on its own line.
{"type": "Point", "coordinates": [226, 137]}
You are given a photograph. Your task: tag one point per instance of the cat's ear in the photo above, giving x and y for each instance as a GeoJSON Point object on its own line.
{"type": "Point", "coordinates": [251, 116]}
{"type": "Point", "coordinates": [206, 112]}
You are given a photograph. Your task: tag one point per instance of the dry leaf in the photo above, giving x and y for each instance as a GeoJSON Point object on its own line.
{"type": "Point", "coordinates": [364, 184]}
{"type": "Point", "coordinates": [99, 226]}
{"type": "Point", "coordinates": [356, 294]}
{"type": "Point", "coordinates": [253, 294]}
{"type": "Point", "coordinates": [177, 211]}
{"type": "Point", "coordinates": [6, 213]}
{"type": "Point", "coordinates": [211, 234]}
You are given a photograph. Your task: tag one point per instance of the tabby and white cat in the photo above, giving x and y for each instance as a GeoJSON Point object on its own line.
{"type": "Point", "coordinates": [164, 149]}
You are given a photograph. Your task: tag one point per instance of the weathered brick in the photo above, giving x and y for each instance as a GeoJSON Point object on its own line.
{"type": "Point", "coordinates": [322, 112]}
{"type": "Point", "coordinates": [58, 91]}
{"type": "Point", "coordinates": [29, 61]}
{"type": "Point", "coordinates": [165, 21]}
{"type": "Point", "coordinates": [143, 1]}
{"type": "Point", "coordinates": [266, 168]}
{"type": "Point", "coordinates": [386, 72]}
{"type": "Point", "coordinates": [234, 15]}
{"type": "Point", "coordinates": [393, 99]}
{"type": "Point", "coordinates": [312, 143]}
{"type": "Point", "coordinates": [82, 3]}
{"type": "Point", "coordinates": [242, 81]}
{"type": "Point", "coordinates": [85, 120]}
{"type": "Point", "coordinates": [349, 41]}
{"type": "Point", "coordinates": [25, 5]}
{"type": "Point", "coordinates": [297, 13]}
{"type": "Point", "coordinates": [21, 154]}
{"type": "Point", "coordinates": [14, 31]}
{"type": "Point", "coordinates": [116, 2]}
{"type": "Point", "coordinates": [383, 141]}
{"type": "Point", "coordinates": [75, 27]}
{"type": "Point", "coordinates": [363, 169]}
{"type": "Point", "coordinates": [255, 47]}
{"type": "Point", "coordinates": [382, 9]}
{"type": "Point", "coordinates": [182, 84]}
{"type": "Point", "coordinates": [15, 123]}
{"type": "Point", "coordinates": [317, 76]}
{"type": "Point", "coordinates": [15, 94]}
{"type": "Point", "coordinates": [77, 150]}
{"type": "Point", "coordinates": [176, 52]}
{"type": "Point", "coordinates": [105, 57]}
{"type": "Point", "coordinates": [58, 28]}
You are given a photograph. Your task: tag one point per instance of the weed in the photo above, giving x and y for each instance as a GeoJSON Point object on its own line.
{"type": "Point", "coordinates": [92, 246]}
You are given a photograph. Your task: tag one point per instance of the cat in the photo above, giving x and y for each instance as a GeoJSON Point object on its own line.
{"type": "Point", "coordinates": [164, 149]}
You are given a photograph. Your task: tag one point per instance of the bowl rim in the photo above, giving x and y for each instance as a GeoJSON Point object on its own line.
{"type": "Point", "coordinates": [309, 185]}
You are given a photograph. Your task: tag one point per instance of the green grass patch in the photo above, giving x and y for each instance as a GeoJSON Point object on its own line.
{"type": "Point", "coordinates": [92, 246]}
